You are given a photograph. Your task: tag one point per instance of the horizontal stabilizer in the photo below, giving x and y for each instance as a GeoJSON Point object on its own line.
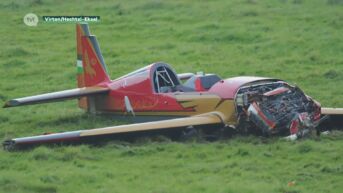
{"type": "Point", "coordinates": [56, 96]}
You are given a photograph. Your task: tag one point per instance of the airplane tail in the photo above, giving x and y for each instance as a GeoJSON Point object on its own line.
{"type": "Point", "coordinates": [91, 72]}
{"type": "Point", "coordinates": [91, 67]}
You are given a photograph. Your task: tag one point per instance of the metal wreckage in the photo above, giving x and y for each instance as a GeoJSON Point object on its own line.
{"type": "Point", "coordinates": [246, 104]}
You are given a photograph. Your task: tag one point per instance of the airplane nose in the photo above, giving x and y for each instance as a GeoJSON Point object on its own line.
{"type": "Point", "coordinates": [278, 108]}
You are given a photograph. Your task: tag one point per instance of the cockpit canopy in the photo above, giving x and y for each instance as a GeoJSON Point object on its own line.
{"type": "Point", "coordinates": [164, 78]}
{"type": "Point", "coordinates": [161, 78]}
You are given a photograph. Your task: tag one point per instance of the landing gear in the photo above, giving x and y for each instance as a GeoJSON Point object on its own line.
{"type": "Point", "coordinates": [207, 133]}
{"type": "Point", "coordinates": [190, 133]}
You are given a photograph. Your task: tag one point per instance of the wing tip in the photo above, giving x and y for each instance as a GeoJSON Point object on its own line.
{"type": "Point", "coordinates": [11, 103]}
{"type": "Point", "coordinates": [9, 145]}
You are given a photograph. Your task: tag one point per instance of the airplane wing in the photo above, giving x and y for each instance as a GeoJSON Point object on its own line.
{"type": "Point", "coordinates": [203, 119]}
{"type": "Point", "coordinates": [332, 111]}
{"type": "Point", "coordinates": [332, 118]}
{"type": "Point", "coordinates": [56, 96]}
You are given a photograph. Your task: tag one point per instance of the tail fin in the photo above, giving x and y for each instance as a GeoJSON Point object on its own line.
{"type": "Point", "coordinates": [81, 30]}
{"type": "Point", "coordinates": [91, 68]}
{"type": "Point", "coordinates": [94, 68]}
{"type": "Point", "coordinates": [90, 63]}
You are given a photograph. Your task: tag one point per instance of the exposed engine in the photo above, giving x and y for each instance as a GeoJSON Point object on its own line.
{"type": "Point", "coordinates": [276, 108]}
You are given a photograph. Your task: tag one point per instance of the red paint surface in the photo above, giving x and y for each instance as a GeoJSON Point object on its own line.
{"type": "Point", "coordinates": [228, 88]}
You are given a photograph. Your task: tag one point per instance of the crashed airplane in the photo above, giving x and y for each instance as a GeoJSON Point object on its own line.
{"type": "Point", "coordinates": [254, 104]}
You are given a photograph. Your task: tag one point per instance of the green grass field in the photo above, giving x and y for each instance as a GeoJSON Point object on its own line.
{"type": "Point", "coordinates": [300, 41]}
